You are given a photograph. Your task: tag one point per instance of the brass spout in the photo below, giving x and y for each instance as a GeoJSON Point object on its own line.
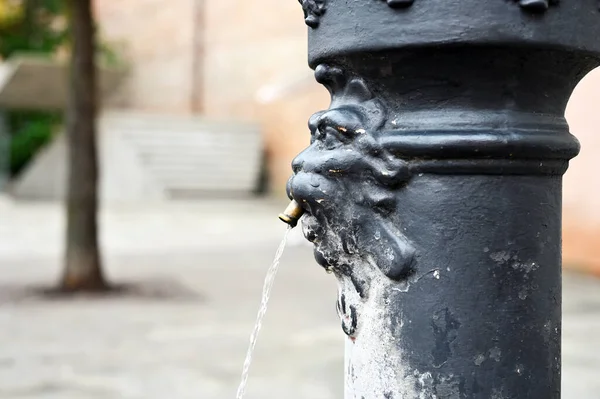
{"type": "Point", "coordinates": [292, 213]}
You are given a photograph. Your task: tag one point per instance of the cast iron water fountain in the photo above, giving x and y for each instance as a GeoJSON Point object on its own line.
{"type": "Point", "coordinates": [432, 188]}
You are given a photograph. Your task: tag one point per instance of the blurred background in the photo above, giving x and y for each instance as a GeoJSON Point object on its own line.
{"type": "Point", "coordinates": [202, 104]}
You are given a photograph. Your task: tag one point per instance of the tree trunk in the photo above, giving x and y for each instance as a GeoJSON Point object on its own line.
{"type": "Point", "coordinates": [83, 270]}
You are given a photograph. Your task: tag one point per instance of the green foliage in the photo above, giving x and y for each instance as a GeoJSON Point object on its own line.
{"type": "Point", "coordinates": [33, 131]}
{"type": "Point", "coordinates": [107, 56]}
{"type": "Point", "coordinates": [39, 26]}
{"type": "Point", "coordinates": [33, 26]}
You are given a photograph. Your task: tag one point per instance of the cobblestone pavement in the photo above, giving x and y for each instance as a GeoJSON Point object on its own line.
{"type": "Point", "coordinates": [183, 334]}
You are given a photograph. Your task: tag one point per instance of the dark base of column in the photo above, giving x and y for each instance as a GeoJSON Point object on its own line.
{"type": "Point", "coordinates": [480, 316]}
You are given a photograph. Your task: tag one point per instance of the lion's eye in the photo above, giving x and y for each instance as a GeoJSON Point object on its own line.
{"type": "Point", "coordinates": [331, 138]}
{"type": "Point", "coordinates": [331, 142]}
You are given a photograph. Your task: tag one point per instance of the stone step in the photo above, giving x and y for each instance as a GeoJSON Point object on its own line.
{"type": "Point", "coordinates": [148, 156]}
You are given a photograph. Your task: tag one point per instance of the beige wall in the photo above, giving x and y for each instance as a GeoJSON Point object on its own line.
{"type": "Point", "coordinates": [250, 44]}
{"type": "Point", "coordinates": [158, 45]}
{"type": "Point", "coordinates": [581, 225]}
{"type": "Point", "coordinates": [245, 46]}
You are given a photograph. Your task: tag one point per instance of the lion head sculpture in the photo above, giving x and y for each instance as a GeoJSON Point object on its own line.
{"type": "Point", "coordinates": [346, 181]}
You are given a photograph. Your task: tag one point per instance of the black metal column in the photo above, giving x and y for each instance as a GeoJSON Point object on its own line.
{"type": "Point", "coordinates": [432, 188]}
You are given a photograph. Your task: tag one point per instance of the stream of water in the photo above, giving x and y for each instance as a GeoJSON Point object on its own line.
{"type": "Point", "coordinates": [266, 292]}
